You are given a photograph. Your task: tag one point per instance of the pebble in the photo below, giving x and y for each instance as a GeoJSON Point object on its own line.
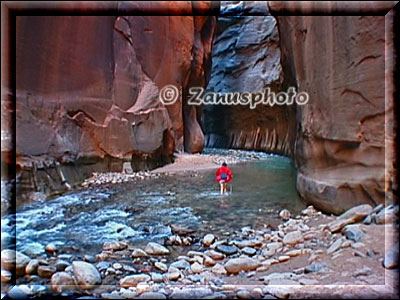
{"type": "Point", "coordinates": [117, 266]}
{"type": "Point", "coordinates": [285, 214]}
{"type": "Point", "coordinates": [196, 268]}
{"type": "Point", "coordinates": [156, 249]}
{"type": "Point", "coordinates": [243, 294]}
{"type": "Point", "coordinates": [235, 265]}
{"type": "Point", "coordinates": [89, 258]}
{"type": "Point", "coordinates": [219, 269]}
{"type": "Point", "coordinates": [161, 266]}
{"type": "Point", "coordinates": [315, 267]}
{"type": "Point", "coordinates": [353, 232]}
{"type": "Point", "coordinates": [283, 258]}
{"type": "Point", "coordinates": [208, 239]}
{"type": "Point", "coordinates": [181, 264]}
{"type": "Point", "coordinates": [306, 281]}
{"type": "Point", "coordinates": [139, 253]}
{"type": "Point", "coordinates": [173, 273]}
{"type": "Point", "coordinates": [293, 237]}
{"type": "Point", "coordinates": [32, 266]}
{"type": "Point", "coordinates": [114, 246]}
{"type": "Point", "coordinates": [61, 265]}
{"type": "Point", "coordinates": [46, 271]}
{"type": "Point", "coordinates": [51, 248]}
{"type": "Point", "coordinates": [249, 251]}
{"type": "Point", "coordinates": [228, 250]}
{"type": "Point", "coordinates": [134, 280]}
{"type": "Point", "coordinates": [257, 293]}
{"type": "Point", "coordinates": [335, 246]}
{"type": "Point", "coordinates": [214, 254]}
{"type": "Point", "coordinates": [156, 277]}
{"type": "Point", "coordinates": [5, 276]}
{"type": "Point", "coordinates": [208, 261]}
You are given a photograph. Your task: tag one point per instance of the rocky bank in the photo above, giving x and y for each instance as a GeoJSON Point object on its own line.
{"type": "Point", "coordinates": [309, 255]}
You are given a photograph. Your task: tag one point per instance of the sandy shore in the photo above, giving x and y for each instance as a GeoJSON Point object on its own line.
{"type": "Point", "coordinates": [190, 162]}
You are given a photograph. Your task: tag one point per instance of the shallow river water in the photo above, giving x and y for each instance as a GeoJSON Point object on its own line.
{"type": "Point", "coordinates": [142, 211]}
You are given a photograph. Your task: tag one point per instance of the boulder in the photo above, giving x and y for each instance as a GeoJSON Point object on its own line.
{"type": "Point", "coordinates": [62, 281]}
{"type": "Point", "coordinates": [86, 275]}
{"type": "Point", "coordinates": [14, 261]}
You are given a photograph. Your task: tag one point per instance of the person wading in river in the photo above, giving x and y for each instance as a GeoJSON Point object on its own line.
{"type": "Point", "coordinates": [223, 176]}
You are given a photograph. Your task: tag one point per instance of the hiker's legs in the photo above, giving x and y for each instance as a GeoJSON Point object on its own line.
{"type": "Point", "coordinates": [225, 188]}
{"type": "Point", "coordinates": [221, 184]}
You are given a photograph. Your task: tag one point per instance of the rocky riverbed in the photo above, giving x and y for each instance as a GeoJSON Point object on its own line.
{"type": "Point", "coordinates": [354, 255]}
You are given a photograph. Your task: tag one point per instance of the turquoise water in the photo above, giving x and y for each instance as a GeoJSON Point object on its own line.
{"type": "Point", "coordinates": [142, 211]}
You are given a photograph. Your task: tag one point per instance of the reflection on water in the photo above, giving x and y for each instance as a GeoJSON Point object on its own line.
{"type": "Point", "coordinates": [142, 211]}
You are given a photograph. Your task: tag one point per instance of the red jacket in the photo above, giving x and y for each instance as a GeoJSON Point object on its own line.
{"type": "Point", "coordinates": [225, 170]}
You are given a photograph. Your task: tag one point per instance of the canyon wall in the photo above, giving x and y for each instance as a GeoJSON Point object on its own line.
{"type": "Point", "coordinates": [246, 58]}
{"type": "Point", "coordinates": [87, 91]}
{"type": "Point", "coordinates": [341, 138]}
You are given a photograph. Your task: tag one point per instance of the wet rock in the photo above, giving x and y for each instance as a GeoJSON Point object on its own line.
{"type": "Point", "coordinates": [161, 266]}
{"type": "Point", "coordinates": [335, 246]}
{"type": "Point", "coordinates": [353, 232]}
{"type": "Point", "coordinates": [62, 281]}
{"type": "Point", "coordinates": [228, 250]}
{"type": "Point", "coordinates": [208, 239]}
{"type": "Point", "coordinates": [51, 248]}
{"type": "Point", "coordinates": [114, 246]}
{"type": "Point", "coordinates": [219, 269]}
{"type": "Point", "coordinates": [173, 273]}
{"type": "Point", "coordinates": [315, 267]}
{"type": "Point", "coordinates": [86, 274]}
{"type": "Point", "coordinates": [196, 268]}
{"type": "Point", "coordinates": [191, 293]}
{"type": "Point", "coordinates": [32, 266]}
{"type": "Point", "coordinates": [156, 249]}
{"type": "Point", "coordinates": [243, 294]}
{"type": "Point", "coordinates": [134, 280]}
{"type": "Point", "coordinates": [181, 264]}
{"type": "Point", "coordinates": [285, 214]}
{"type": "Point", "coordinates": [5, 276]}
{"type": "Point", "coordinates": [46, 271]}
{"type": "Point", "coordinates": [391, 259]}
{"type": "Point", "coordinates": [214, 254]}
{"type": "Point", "coordinates": [61, 265]}
{"type": "Point", "coordinates": [387, 215]}
{"type": "Point", "coordinates": [13, 260]}
{"type": "Point", "coordinates": [293, 237]}
{"type": "Point", "coordinates": [195, 253]}
{"type": "Point", "coordinates": [249, 251]}
{"type": "Point", "coordinates": [139, 253]}
{"type": "Point", "coordinates": [208, 261]}
{"type": "Point", "coordinates": [195, 278]}
{"type": "Point", "coordinates": [152, 295]}
{"type": "Point", "coordinates": [117, 266]}
{"type": "Point", "coordinates": [356, 214]}
{"type": "Point", "coordinates": [235, 265]}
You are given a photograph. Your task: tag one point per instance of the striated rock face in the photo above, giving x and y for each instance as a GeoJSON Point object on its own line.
{"type": "Point", "coordinates": [340, 143]}
{"type": "Point", "coordinates": [88, 91]}
{"type": "Point", "coordinates": [246, 58]}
